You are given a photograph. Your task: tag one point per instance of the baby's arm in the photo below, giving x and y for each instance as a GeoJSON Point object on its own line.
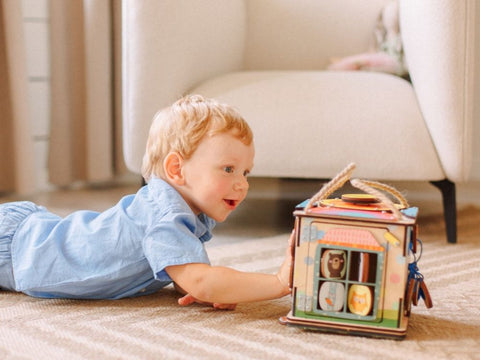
{"type": "Point", "coordinates": [215, 284]}
{"type": "Point", "coordinates": [222, 285]}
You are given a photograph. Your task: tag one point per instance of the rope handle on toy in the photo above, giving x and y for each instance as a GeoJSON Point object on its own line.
{"type": "Point", "coordinates": [334, 184]}
{"type": "Point", "coordinates": [370, 187]}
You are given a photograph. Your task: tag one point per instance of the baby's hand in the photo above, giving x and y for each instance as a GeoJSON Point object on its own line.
{"type": "Point", "coordinates": [189, 299]}
{"type": "Point", "coordinates": [286, 268]}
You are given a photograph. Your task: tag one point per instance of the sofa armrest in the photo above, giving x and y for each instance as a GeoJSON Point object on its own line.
{"type": "Point", "coordinates": [438, 37]}
{"type": "Point", "coordinates": [168, 47]}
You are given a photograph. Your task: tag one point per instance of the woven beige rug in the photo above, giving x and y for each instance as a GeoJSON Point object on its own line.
{"type": "Point", "coordinates": [154, 327]}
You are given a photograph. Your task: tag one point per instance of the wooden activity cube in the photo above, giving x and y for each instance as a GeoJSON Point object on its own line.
{"type": "Point", "coordinates": [350, 269]}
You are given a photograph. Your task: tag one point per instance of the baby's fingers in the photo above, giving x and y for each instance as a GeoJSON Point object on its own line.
{"type": "Point", "coordinates": [186, 300]}
{"type": "Point", "coordinates": [224, 306]}
{"type": "Point", "coordinates": [291, 242]}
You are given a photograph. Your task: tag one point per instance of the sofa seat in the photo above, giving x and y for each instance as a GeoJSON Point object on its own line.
{"type": "Point", "coordinates": [343, 109]}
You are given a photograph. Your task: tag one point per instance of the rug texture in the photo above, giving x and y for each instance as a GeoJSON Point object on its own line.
{"type": "Point", "coordinates": [155, 327]}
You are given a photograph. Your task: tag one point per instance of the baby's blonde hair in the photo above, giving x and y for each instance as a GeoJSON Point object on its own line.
{"type": "Point", "coordinates": [181, 126]}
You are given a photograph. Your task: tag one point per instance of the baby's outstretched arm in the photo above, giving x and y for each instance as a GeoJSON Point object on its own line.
{"type": "Point", "coordinates": [225, 286]}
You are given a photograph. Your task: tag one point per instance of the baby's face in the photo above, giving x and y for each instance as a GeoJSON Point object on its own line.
{"type": "Point", "coordinates": [216, 175]}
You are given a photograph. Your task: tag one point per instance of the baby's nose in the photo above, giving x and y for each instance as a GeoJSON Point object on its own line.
{"type": "Point", "coordinates": [241, 184]}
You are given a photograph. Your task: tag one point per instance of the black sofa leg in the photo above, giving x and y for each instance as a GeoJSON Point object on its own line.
{"type": "Point", "coordinates": [449, 207]}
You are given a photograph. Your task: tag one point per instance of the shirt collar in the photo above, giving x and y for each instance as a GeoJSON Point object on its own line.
{"type": "Point", "coordinates": [204, 223]}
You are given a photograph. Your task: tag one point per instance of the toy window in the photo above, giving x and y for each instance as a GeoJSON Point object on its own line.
{"type": "Point", "coordinates": [347, 282]}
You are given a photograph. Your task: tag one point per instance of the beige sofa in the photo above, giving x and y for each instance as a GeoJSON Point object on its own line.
{"type": "Point", "coordinates": [268, 59]}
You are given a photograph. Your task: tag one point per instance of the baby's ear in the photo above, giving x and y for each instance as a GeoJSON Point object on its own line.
{"type": "Point", "coordinates": [172, 167]}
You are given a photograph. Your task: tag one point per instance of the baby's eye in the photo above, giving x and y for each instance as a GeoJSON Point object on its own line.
{"type": "Point", "coordinates": [245, 173]}
{"type": "Point", "coordinates": [228, 169]}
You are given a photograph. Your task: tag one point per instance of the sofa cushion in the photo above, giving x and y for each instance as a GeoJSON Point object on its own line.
{"type": "Point", "coordinates": [318, 120]}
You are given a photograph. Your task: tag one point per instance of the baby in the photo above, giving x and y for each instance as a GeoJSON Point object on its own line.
{"type": "Point", "coordinates": [198, 155]}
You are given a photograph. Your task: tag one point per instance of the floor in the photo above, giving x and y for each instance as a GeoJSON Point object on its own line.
{"type": "Point", "coordinates": [267, 211]}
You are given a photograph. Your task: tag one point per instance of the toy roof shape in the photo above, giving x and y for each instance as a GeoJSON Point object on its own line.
{"type": "Point", "coordinates": [357, 238]}
{"type": "Point", "coordinates": [356, 211]}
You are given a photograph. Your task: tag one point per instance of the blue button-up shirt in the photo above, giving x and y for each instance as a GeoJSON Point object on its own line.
{"type": "Point", "coordinates": [120, 252]}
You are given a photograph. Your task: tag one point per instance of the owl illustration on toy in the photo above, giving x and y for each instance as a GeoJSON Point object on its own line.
{"type": "Point", "coordinates": [359, 300]}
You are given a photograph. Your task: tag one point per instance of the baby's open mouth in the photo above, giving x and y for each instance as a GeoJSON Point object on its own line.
{"type": "Point", "coordinates": [231, 203]}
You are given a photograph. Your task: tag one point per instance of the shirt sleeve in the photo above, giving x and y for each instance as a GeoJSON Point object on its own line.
{"type": "Point", "coordinates": [175, 240]}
